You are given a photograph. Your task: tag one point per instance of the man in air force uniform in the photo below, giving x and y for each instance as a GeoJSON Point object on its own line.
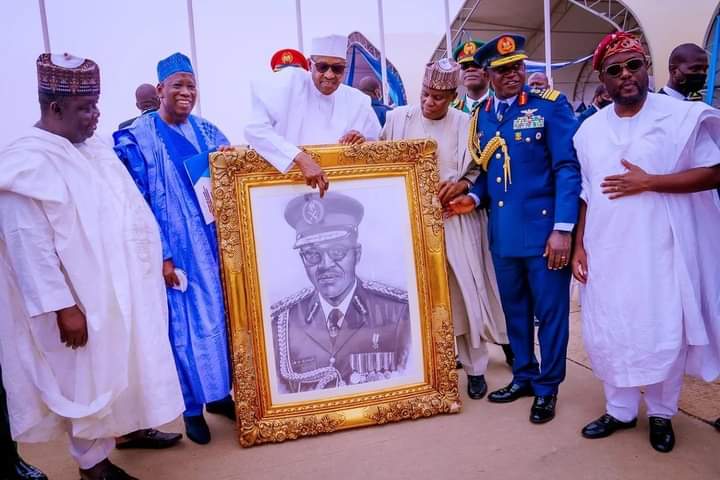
{"type": "Point", "coordinates": [343, 330]}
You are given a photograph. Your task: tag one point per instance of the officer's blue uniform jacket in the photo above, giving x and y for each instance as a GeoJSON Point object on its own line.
{"type": "Point", "coordinates": [543, 187]}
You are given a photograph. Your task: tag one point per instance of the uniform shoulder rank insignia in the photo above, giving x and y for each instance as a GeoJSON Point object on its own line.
{"type": "Point", "coordinates": [288, 302]}
{"type": "Point", "coordinates": [548, 94]}
{"type": "Point", "coordinates": [386, 290]}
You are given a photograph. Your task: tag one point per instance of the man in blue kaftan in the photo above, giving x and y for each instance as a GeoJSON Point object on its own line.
{"type": "Point", "coordinates": [154, 149]}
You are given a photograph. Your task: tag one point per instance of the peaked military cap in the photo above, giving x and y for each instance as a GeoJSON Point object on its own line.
{"type": "Point", "coordinates": [465, 52]}
{"type": "Point", "coordinates": [501, 50]}
{"type": "Point", "coordinates": [332, 217]}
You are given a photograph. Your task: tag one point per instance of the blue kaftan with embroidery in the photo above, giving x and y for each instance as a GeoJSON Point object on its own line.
{"type": "Point", "coordinates": [154, 153]}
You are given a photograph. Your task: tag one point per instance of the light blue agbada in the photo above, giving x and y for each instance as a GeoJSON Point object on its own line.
{"type": "Point", "coordinates": [154, 152]}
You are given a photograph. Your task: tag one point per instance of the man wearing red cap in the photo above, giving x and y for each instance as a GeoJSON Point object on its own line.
{"type": "Point", "coordinates": [648, 223]}
{"type": "Point", "coordinates": [83, 334]}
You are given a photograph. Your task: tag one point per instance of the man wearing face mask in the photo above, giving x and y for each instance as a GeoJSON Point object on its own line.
{"type": "Point", "coordinates": [154, 149]}
{"type": "Point", "coordinates": [294, 107]}
{"type": "Point", "coordinates": [600, 99]}
{"type": "Point", "coordinates": [688, 67]}
{"type": "Point", "coordinates": [530, 182]}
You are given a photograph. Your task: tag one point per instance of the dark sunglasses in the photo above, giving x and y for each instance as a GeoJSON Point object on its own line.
{"type": "Point", "coordinates": [314, 256]}
{"type": "Point", "coordinates": [616, 69]}
{"type": "Point", "coordinates": [337, 68]}
{"type": "Point", "coordinates": [510, 68]}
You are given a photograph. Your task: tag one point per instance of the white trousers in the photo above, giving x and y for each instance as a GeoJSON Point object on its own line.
{"type": "Point", "coordinates": [661, 398]}
{"type": "Point", "coordinates": [474, 360]}
{"type": "Point", "coordinates": [88, 453]}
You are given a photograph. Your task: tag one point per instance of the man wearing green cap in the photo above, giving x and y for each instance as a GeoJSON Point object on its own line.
{"type": "Point", "coordinates": [343, 330]}
{"type": "Point", "coordinates": [474, 77]}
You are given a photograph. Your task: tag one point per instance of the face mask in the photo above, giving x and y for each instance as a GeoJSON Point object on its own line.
{"type": "Point", "coordinates": [694, 81]}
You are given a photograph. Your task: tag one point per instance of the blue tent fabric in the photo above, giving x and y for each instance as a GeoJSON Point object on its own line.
{"type": "Point", "coordinates": [396, 91]}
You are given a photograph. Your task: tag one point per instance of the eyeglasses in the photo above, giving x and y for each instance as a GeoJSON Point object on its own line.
{"type": "Point", "coordinates": [616, 69]}
{"type": "Point", "coordinates": [313, 256]}
{"type": "Point", "coordinates": [337, 68]}
{"type": "Point", "coordinates": [510, 68]}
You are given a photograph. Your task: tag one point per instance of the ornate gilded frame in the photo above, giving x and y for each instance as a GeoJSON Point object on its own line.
{"type": "Point", "coordinates": [234, 173]}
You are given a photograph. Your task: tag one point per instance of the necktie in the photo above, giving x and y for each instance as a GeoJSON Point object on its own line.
{"type": "Point", "coordinates": [502, 108]}
{"type": "Point", "coordinates": [333, 321]}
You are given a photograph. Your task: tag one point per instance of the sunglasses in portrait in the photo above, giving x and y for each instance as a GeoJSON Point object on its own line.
{"type": "Point", "coordinates": [337, 68]}
{"type": "Point", "coordinates": [509, 68]}
{"type": "Point", "coordinates": [616, 69]}
{"type": "Point", "coordinates": [314, 255]}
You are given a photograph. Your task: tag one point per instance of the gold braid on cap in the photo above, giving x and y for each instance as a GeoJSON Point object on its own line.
{"type": "Point", "coordinates": [482, 156]}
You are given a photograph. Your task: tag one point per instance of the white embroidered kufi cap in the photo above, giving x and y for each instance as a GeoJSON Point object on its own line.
{"type": "Point", "coordinates": [330, 46]}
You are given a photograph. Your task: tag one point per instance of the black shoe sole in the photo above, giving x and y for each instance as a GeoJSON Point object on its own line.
{"type": "Point", "coordinates": [605, 435]}
{"type": "Point", "coordinates": [509, 400]}
{"type": "Point", "coordinates": [477, 396]}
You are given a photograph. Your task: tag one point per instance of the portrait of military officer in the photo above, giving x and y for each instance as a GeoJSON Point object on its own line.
{"type": "Point", "coordinates": [342, 330]}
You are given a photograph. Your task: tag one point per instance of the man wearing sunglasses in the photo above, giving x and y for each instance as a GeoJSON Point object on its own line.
{"type": "Point", "coordinates": [530, 182]}
{"type": "Point", "coordinates": [343, 330]}
{"type": "Point", "coordinates": [474, 77]}
{"type": "Point", "coordinates": [646, 244]}
{"type": "Point", "coordinates": [294, 108]}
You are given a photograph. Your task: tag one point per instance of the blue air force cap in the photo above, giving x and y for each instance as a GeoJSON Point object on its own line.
{"type": "Point", "coordinates": [501, 50]}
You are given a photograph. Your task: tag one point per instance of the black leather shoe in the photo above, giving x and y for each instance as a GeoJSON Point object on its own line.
{"type": "Point", "coordinates": [148, 438]}
{"type": "Point", "coordinates": [717, 424]}
{"type": "Point", "coordinates": [543, 408]}
{"type": "Point", "coordinates": [21, 470]}
{"type": "Point", "coordinates": [606, 426]}
{"type": "Point", "coordinates": [662, 437]}
{"type": "Point", "coordinates": [510, 393]}
{"type": "Point", "coordinates": [196, 429]}
{"type": "Point", "coordinates": [509, 355]}
{"type": "Point", "coordinates": [105, 470]}
{"type": "Point", "coordinates": [224, 407]}
{"type": "Point", "coordinates": [476, 388]}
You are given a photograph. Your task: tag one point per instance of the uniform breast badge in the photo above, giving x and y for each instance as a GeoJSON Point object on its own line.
{"type": "Point", "coordinates": [528, 119]}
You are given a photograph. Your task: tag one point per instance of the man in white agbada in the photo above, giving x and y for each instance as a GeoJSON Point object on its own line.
{"type": "Point", "coordinates": [646, 245]}
{"type": "Point", "coordinates": [477, 313]}
{"type": "Point", "coordinates": [293, 107]}
{"type": "Point", "coordinates": [83, 337]}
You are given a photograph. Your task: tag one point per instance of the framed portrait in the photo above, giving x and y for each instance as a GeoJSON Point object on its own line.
{"type": "Point", "coordinates": [338, 306]}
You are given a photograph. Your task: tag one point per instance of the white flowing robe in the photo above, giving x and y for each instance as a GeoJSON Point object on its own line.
{"type": "Point", "coordinates": [466, 239]}
{"type": "Point", "coordinates": [288, 111]}
{"type": "Point", "coordinates": [653, 258]}
{"type": "Point", "coordinates": [74, 230]}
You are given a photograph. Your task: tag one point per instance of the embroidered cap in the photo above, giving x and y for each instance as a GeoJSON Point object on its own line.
{"type": "Point", "coordinates": [614, 43]}
{"type": "Point", "coordinates": [442, 75]}
{"type": "Point", "coordinates": [175, 63]}
{"type": "Point", "coordinates": [333, 217]}
{"type": "Point", "coordinates": [67, 75]}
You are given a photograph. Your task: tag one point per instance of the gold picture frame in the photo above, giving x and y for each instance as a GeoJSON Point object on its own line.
{"type": "Point", "coordinates": [238, 173]}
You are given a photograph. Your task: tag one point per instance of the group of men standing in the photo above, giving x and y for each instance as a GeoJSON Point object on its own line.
{"type": "Point", "coordinates": [110, 272]}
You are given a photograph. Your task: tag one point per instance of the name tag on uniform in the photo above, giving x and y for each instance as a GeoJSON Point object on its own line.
{"type": "Point", "coordinates": [528, 120]}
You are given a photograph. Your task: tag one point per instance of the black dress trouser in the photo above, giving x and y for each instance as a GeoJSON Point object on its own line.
{"type": "Point", "coordinates": [8, 448]}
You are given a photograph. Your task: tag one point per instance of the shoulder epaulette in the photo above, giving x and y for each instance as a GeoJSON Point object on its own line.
{"type": "Point", "coordinates": [548, 94]}
{"type": "Point", "coordinates": [288, 302]}
{"type": "Point", "coordinates": [386, 290]}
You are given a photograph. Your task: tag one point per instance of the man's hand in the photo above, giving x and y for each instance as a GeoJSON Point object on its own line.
{"type": "Point", "coordinates": [449, 190]}
{"type": "Point", "coordinates": [635, 181]}
{"type": "Point", "coordinates": [353, 137]}
{"type": "Point", "coordinates": [314, 175]}
{"type": "Point", "coordinates": [171, 278]}
{"type": "Point", "coordinates": [459, 206]}
{"type": "Point", "coordinates": [579, 264]}
{"type": "Point", "coordinates": [557, 249]}
{"type": "Point", "coordinates": [73, 327]}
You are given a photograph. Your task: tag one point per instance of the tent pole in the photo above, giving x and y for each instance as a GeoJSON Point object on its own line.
{"type": "Point", "coordinates": [383, 58]}
{"type": "Point", "coordinates": [193, 51]}
{"type": "Point", "coordinates": [43, 20]}
{"type": "Point", "coordinates": [448, 31]}
{"type": "Point", "coordinates": [713, 63]}
{"type": "Point", "coordinates": [548, 42]}
{"type": "Point", "coordinates": [299, 27]}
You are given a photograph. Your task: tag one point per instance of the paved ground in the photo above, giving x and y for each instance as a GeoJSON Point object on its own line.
{"type": "Point", "coordinates": [483, 441]}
